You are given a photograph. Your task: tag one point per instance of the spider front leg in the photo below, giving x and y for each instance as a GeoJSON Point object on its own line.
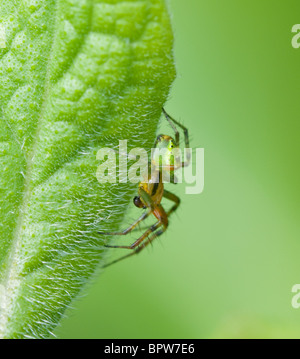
{"type": "Point", "coordinates": [138, 249]}
{"type": "Point", "coordinates": [144, 244]}
{"type": "Point", "coordinates": [172, 123]}
{"type": "Point", "coordinates": [158, 212]}
{"type": "Point", "coordinates": [135, 244]}
{"type": "Point", "coordinates": [141, 243]}
{"type": "Point", "coordinates": [130, 228]}
{"type": "Point", "coordinates": [168, 195]}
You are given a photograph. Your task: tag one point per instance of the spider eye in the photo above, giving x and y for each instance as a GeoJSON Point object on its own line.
{"type": "Point", "coordinates": [137, 202]}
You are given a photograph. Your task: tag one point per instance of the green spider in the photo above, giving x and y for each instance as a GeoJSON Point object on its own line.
{"type": "Point", "coordinates": [151, 191]}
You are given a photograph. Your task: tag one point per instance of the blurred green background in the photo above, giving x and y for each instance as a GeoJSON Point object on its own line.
{"type": "Point", "coordinates": [227, 264]}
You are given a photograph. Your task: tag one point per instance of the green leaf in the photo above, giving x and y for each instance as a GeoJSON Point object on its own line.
{"type": "Point", "coordinates": [76, 76]}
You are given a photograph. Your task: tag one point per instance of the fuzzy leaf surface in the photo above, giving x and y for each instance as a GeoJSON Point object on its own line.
{"type": "Point", "coordinates": [75, 76]}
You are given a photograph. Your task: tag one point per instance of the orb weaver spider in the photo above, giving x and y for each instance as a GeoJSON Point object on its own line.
{"type": "Point", "coordinates": [151, 192]}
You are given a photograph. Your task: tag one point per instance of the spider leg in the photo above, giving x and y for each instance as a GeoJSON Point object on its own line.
{"type": "Point", "coordinates": [172, 197]}
{"type": "Point", "coordinates": [138, 249]}
{"type": "Point", "coordinates": [153, 228]}
{"type": "Point", "coordinates": [162, 217]}
{"type": "Point", "coordinates": [150, 240]}
{"type": "Point", "coordinates": [172, 121]}
{"type": "Point", "coordinates": [118, 260]}
{"type": "Point", "coordinates": [130, 228]}
{"type": "Point", "coordinates": [157, 211]}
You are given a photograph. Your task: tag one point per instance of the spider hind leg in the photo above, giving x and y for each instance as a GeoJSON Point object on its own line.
{"type": "Point", "coordinates": [173, 123]}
